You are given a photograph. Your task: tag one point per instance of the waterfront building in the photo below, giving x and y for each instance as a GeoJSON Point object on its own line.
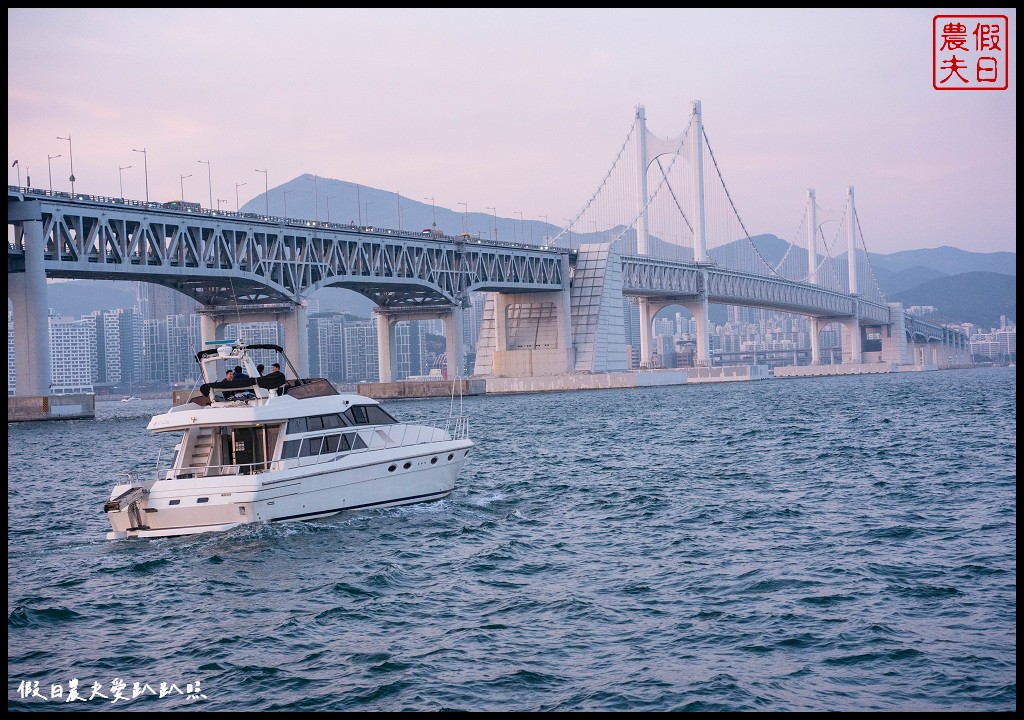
{"type": "Point", "coordinates": [361, 355]}
{"type": "Point", "coordinates": [72, 344]}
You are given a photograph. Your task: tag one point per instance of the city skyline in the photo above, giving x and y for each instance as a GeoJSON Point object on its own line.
{"type": "Point", "coordinates": [420, 102]}
{"type": "Point", "coordinates": [129, 346]}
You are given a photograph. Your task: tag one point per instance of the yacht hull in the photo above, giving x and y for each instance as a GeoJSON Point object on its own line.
{"type": "Point", "coordinates": [377, 479]}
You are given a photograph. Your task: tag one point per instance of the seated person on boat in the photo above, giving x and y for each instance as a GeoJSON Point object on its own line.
{"type": "Point", "coordinates": [272, 380]}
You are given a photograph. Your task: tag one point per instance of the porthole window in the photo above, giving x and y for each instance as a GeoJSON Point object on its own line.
{"type": "Point", "coordinates": [392, 468]}
{"type": "Point", "coordinates": [407, 465]}
{"type": "Point", "coordinates": [451, 456]}
{"type": "Point", "coordinates": [202, 500]}
{"type": "Point", "coordinates": [174, 502]}
{"type": "Point", "coordinates": [433, 461]}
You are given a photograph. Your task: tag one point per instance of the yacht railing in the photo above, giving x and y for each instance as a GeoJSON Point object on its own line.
{"type": "Point", "coordinates": [375, 437]}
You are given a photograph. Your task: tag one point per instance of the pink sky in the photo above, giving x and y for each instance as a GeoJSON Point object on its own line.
{"type": "Point", "coordinates": [522, 110]}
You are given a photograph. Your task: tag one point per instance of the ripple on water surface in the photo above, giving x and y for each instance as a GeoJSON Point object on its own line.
{"type": "Point", "coordinates": [828, 544]}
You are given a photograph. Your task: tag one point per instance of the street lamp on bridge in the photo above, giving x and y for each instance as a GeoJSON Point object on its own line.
{"type": "Point", "coordinates": [465, 213]}
{"type": "Point", "coordinates": [120, 177]}
{"type": "Point", "coordinates": [266, 189]}
{"type": "Point", "coordinates": [145, 166]}
{"type": "Point", "coordinates": [238, 185]}
{"type": "Point", "coordinates": [495, 213]}
{"type": "Point", "coordinates": [209, 179]}
{"type": "Point", "coordinates": [49, 168]}
{"type": "Point", "coordinates": [219, 201]}
{"type": "Point", "coordinates": [182, 181]}
{"type": "Point", "coordinates": [433, 211]}
{"type": "Point", "coordinates": [316, 202]}
{"type": "Point", "coordinates": [286, 203]}
{"type": "Point", "coordinates": [71, 159]}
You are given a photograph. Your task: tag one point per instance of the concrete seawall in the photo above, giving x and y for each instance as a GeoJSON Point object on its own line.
{"type": "Point", "coordinates": [50, 407]}
{"type": "Point", "coordinates": [420, 389]}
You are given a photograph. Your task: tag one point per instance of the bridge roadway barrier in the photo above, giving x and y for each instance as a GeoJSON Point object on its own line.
{"type": "Point", "coordinates": [50, 407]}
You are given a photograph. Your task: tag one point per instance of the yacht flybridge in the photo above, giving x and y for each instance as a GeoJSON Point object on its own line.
{"type": "Point", "coordinates": [274, 448]}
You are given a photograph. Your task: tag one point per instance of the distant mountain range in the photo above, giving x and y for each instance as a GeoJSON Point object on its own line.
{"type": "Point", "coordinates": [963, 286]}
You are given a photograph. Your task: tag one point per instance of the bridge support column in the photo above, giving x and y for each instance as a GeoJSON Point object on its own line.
{"type": "Point", "coordinates": [814, 326]}
{"type": "Point", "coordinates": [385, 347]}
{"type": "Point", "coordinates": [454, 342]}
{"type": "Point", "coordinates": [699, 309]}
{"type": "Point", "coordinates": [27, 292]}
{"type": "Point", "coordinates": [646, 331]}
{"type": "Point", "coordinates": [533, 334]}
{"type": "Point", "coordinates": [894, 337]}
{"type": "Point", "coordinates": [209, 328]}
{"type": "Point", "coordinates": [291, 317]}
{"type": "Point", "coordinates": [296, 339]}
{"type": "Point", "coordinates": [852, 353]}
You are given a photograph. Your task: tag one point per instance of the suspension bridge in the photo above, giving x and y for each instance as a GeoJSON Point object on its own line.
{"type": "Point", "coordinates": [660, 227]}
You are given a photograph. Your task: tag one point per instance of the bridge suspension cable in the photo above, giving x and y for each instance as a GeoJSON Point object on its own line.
{"type": "Point", "coordinates": [664, 182]}
{"type": "Point", "coordinates": [718, 171]}
{"type": "Point", "coordinates": [625, 144]}
{"type": "Point", "coordinates": [867, 260]}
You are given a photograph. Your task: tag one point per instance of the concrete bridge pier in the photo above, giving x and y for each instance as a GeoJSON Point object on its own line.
{"type": "Point", "coordinates": [388, 319]}
{"type": "Point", "coordinates": [27, 292]}
{"type": "Point", "coordinates": [959, 350]}
{"type": "Point", "coordinates": [814, 327]}
{"type": "Point", "coordinates": [699, 309]}
{"type": "Point", "coordinates": [526, 335]}
{"type": "Point", "coordinates": [647, 314]}
{"type": "Point", "coordinates": [386, 322]}
{"type": "Point", "coordinates": [894, 337]}
{"type": "Point", "coordinates": [292, 318]}
{"type": "Point", "coordinates": [33, 383]}
{"type": "Point", "coordinates": [852, 345]}
{"type": "Point", "coordinates": [454, 342]}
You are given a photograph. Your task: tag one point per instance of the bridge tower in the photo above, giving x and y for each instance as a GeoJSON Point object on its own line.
{"type": "Point", "coordinates": [852, 345]}
{"type": "Point", "coordinates": [814, 324]}
{"type": "Point", "coordinates": [650, 148]}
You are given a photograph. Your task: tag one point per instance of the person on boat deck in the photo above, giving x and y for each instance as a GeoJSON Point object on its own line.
{"type": "Point", "coordinates": [273, 379]}
{"type": "Point", "coordinates": [229, 376]}
{"type": "Point", "coordinates": [233, 385]}
{"type": "Point", "coordinates": [240, 374]}
{"type": "Point", "coordinates": [259, 369]}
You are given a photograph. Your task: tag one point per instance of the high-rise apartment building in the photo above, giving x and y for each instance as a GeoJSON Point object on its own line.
{"type": "Point", "coordinates": [72, 344]}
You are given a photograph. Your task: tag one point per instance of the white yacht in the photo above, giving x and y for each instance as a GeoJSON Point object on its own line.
{"type": "Point", "coordinates": [269, 448]}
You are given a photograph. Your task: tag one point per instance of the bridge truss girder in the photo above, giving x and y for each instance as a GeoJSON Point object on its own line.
{"type": "Point", "coordinates": [666, 280]}
{"type": "Point", "coordinates": [219, 259]}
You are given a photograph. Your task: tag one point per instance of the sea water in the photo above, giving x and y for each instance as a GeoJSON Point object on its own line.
{"type": "Point", "coordinates": [842, 543]}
